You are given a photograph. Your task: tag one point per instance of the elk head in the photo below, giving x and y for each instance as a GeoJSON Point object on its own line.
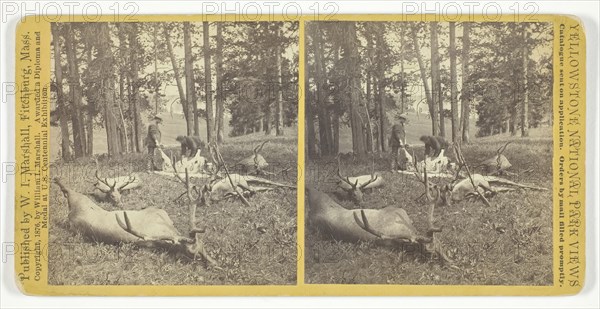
{"type": "Point", "coordinates": [113, 191]}
{"type": "Point", "coordinates": [354, 189]}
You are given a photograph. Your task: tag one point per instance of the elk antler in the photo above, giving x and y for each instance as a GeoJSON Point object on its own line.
{"type": "Point", "coordinates": [130, 180]}
{"type": "Point", "coordinates": [105, 182]}
{"type": "Point", "coordinates": [347, 178]}
{"type": "Point", "coordinates": [259, 148]}
{"type": "Point", "coordinates": [233, 186]}
{"type": "Point", "coordinates": [373, 179]}
{"type": "Point", "coordinates": [463, 162]}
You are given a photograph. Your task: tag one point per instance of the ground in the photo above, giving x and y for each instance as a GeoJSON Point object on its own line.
{"type": "Point", "coordinates": [509, 243]}
{"type": "Point", "coordinates": [253, 245]}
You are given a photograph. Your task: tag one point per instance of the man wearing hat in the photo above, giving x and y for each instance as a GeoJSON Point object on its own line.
{"type": "Point", "coordinates": [153, 139]}
{"type": "Point", "coordinates": [397, 142]}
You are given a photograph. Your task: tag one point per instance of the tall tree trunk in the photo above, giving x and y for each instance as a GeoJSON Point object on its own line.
{"type": "Point", "coordinates": [428, 95]}
{"type": "Point", "coordinates": [279, 107]}
{"type": "Point", "coordinates": [525, 101]}
{"type": "Point", "coordinates": [380, 86]}
{"type": "Point", "coordinates": [325, 138]}
{"type": "Point", "coordinates": [190, 84]}
{"type": "Point", "coordinates": [335, 115]}
{"type": "Point", "coordinates": [79, 142]}
{"type": "Point", "coordinates": [372, 66]}
{"type": "Point", "coordinates": [310, 138]}
{"type": "Point", "coordinates": [60, 96]}
{"type": "Point", "coordinates": [268, 117]}
{"type": "Point", "coordinates": [219, 72]}
{"type": "Point", "coordinates": [123, 134]}
{"type": "Point", "coordinates": [465, 95]}
{"type": "Point", "coordinates": [156, 96]}
{"type": "Point", "coordinates": [91, 109]}
{"type": "Point", "coordinates": [435, 79]}
{"type": "Point", "coordinates": [135, 84]}
{"type": "Point", "coordinates": [210, 124]}
{"type": "Point", "coordinates": [176, 72]}
{"type": "Point", "coordinates": [356, 117]}
{"type": "Point", "coordinates": [108, 90]}
{"type": "Point", "coordinates": [402, 90]}
{"type": "Point", "coordinates": [453, 86]}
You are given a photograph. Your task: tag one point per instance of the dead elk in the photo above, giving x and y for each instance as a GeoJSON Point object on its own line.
{"type": "Point", "coordinates": [150, 227]}
{"type": "Point", "coordinates": [389, 226]}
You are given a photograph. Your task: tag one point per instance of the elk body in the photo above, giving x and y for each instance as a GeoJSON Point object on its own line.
{"type": "Point", "coordinates": [98, 224]}
{"type": "Point", "coordinates": [340, 223]}
{"type": "Point", "coordinates": [150, 227]}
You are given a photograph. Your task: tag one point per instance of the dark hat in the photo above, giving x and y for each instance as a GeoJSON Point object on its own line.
{"type": "Point", "coordinates": [157, 118]}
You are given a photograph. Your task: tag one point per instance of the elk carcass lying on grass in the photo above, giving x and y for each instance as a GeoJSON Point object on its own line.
{"type": "Point", "coordinates": [355, 186]}
{"type": "Point", "coordinates": [477, 185]}
{"type": "Point", "coordinates": [389, 225]}
{"type": "Point", "coordinates": [150, 227]}
{"type": "Point", "coordinates": [111, 188]}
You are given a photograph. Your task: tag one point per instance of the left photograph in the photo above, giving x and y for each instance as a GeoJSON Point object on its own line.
{"type": "Point", "coordinates": [173, 153]}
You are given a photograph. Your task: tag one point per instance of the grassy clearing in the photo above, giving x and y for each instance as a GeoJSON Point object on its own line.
{"type": "Point", "coordinates": [509, 243]}
{"type": "Point", "coordinates": [245, 255]}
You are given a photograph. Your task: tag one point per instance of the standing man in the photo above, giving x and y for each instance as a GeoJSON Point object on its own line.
{"type": "Point", "coordinates": [398, 141]}
{"type": "Point", "coordinates": [153, 139]}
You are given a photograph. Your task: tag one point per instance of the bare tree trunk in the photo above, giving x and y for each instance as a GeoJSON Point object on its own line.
{"type": "Point", "coordinates": [310, 138]}
{"type": "Point", "coordinates": [279, 109]}
{"type": "Point", "coordinates": [356, 118]}
{"type": "Point", "coordinates": [91, 109]}
{"type": "Point", "coordinates": [465, 100]}
{"type": "Point", "coordinates": [176, 72]}
{"type": "Point", "coordinates": [325, 138]}
{"type": "Point", "coordinates": [435, 79]}
{"type": "Point", "coordinates": [123, 132]}
{"type": "Point", "coordinates": [381, 86]}
{"type": "Point", "coordinates": [156, 96]}
{"type": "Point", "coordinates": [75, 93]}
{"type": "Point", "coordinates": [60, 96]}
{"type": "Point", "coordinates": [210, 124]}
{"type": "Point", "coordinates": [453, 87]}
{"type": "Point", "coordinates": [525, 101]}
{"type": "Point", "coordinates": [402, 45]}
{"type": "Point", "coordinates": [190, 84]}
{"type": "Point", "coordinates": [108, 90]}
{"type": "Point", "coordinates": [428, 95]}
{"type": "Point", "coordinates": [137, 119]}
{"type": "Point", "coordinates": [219, 71]}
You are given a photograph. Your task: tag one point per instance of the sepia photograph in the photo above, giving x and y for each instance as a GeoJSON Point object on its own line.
{"type": "Point", "coordinates": [173, 153]}
{"type": "Point", "coordinates": [429, 153]}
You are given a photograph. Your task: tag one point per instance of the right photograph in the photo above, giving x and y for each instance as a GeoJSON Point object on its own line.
{"type": "Point", "coordinates": [429, 153]}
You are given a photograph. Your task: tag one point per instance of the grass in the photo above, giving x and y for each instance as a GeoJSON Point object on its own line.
{"type": "Point", "coordinates": [246, 255]}
{"type": "Point", "coordinates": [509, 243]}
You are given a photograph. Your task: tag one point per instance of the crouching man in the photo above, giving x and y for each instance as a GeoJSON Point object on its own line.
{"type": "Point", "coordinates": [189, 145]}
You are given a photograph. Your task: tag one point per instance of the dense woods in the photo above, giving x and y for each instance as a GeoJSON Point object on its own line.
{"type": "Point", "coordinates": [359, 75]}
{"type": "Point", "coordinates": [113, 76]}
